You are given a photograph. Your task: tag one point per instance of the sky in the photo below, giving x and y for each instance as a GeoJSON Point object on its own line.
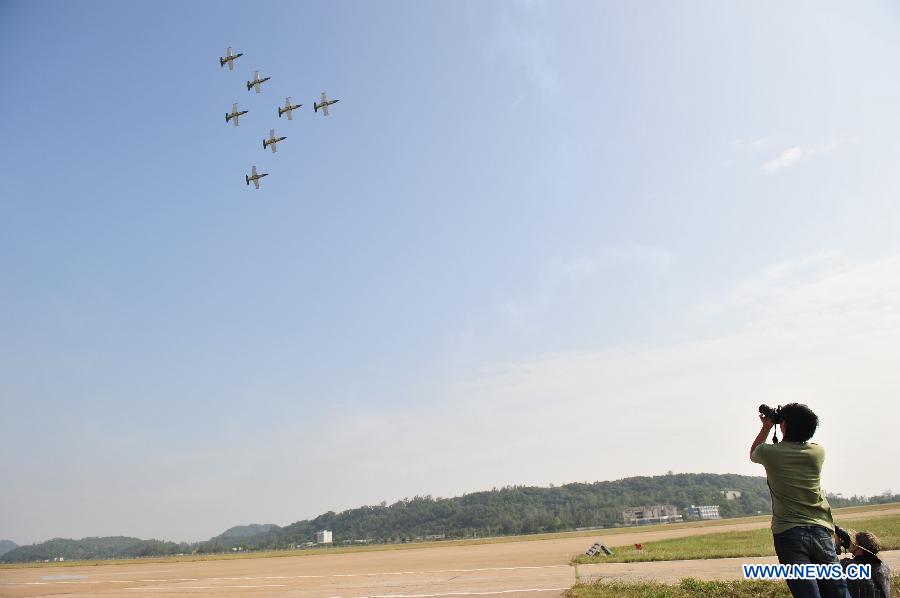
{"type": "Point", "coordinates": [535, 242]}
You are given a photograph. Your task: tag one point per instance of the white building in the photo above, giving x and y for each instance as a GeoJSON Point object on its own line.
{"type": "Point", "coordinates": [731, 494]}
{"type": "Point", "coordinates": [323, 537]}
{"type": "Point", "coordinates": [650, 514]}
{"type": "Point", "coordinates": [703, 512]}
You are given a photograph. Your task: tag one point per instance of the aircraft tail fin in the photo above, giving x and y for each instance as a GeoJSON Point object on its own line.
{"type": "Point", "coordinates": [246, 178]}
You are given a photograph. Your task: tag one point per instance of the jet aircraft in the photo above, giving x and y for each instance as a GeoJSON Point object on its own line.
{"type": "Point", "coordinates": [272, 140]}
{"type": "Point", "coordinates": [324, 104]}
{"type": "Point", "coordinates": [235, 114]}
{"type": "Point", "coordinates": [288, 108]}
{"type": "Point", "coordinates": [256, 82]}
{"type": "Point", "coordinates": [229, 58]}
{"type": "Point", "coordinates": [255, 177]}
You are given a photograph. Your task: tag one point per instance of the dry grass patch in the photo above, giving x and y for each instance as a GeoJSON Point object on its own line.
{"type": "Point", "coordinates": [732, 544]}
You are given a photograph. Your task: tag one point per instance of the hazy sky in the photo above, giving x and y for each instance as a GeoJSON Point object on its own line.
{"type": "Point", "coordinates": [534, 243]}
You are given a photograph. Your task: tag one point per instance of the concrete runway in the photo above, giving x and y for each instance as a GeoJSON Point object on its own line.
{"type": "Point", "coordinates": [524, 567]}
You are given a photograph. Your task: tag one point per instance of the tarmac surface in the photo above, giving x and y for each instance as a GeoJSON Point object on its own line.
{"type": "Point", "coordinates": [520, 568]}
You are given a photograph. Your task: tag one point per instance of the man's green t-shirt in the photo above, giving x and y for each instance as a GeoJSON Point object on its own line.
{"type": "Point", "coordinates": [794, 469]}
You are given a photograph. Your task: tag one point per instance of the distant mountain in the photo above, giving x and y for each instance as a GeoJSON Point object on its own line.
{"type": "Point", "coordinates": [6, 546]}
{"type": "Point", "coordinates": [94, 548]}
{"type": "Point", "coordinates": [513, 510]}
{"type": "Point", "coordinates": [245, 531]}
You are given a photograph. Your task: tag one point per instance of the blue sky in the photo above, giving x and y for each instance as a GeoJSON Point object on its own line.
{"type": "Point", "coordinates": [526, 227]}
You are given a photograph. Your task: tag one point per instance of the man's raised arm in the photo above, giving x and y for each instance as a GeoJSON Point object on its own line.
{"type": "Point", "coordinates": [763, 434]}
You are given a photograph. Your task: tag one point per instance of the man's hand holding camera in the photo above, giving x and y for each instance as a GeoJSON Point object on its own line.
{"type": "Point", "coordinates": [768, 417]}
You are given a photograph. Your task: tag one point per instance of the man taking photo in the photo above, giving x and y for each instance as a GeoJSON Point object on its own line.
{"type": "Point", "coordinates": [802, 527]}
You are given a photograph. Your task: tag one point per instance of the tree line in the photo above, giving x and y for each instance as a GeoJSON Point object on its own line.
{"type": "Point", "coordinates": [85, 549]}
{"type": "Point", "coordinates": [513, 510]}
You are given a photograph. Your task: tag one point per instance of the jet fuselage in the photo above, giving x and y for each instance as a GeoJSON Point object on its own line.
{"type": "Point", "coordinates": [289, 108]}
{"type": "Point", "coordinates": [250, 84]}
{"type": "Point", "coordinates": [231, 115]}
{"type": "Point", "coordinates": [227, 59]}
{"type": "Point", "coordinates": [324, 104]}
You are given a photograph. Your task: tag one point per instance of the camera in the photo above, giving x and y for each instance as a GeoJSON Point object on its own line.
{"type": "Point", "coordinates": [843, 538]}
{"type": "Point", "coordinates": [773, 415]}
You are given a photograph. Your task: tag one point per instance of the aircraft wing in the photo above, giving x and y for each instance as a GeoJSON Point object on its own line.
{"type": "Point", "coordinates": [235, 118]}
{"type": "Point", "coordinates": [271, 134]}
{"type": "Point", "coordinates": [256, 181]}
{"type": "Point", "coordinates": [254, 170]}
{"type": "Point", "coordinates": [230, 65]}
{"type": "Point", "coordinates": [289, 111]}
{"type": "Point", "coordinates": [324, 108]}
{"type": "Point", "coordinates": [256, 85]}
{"type": "Point", "coordinates": [272, 145]}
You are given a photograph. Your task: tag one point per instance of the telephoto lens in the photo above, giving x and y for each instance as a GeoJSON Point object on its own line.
{"type": "Point", "coordinates": [773, 415]}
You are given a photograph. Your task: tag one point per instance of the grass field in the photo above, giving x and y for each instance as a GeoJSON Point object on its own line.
{"type": "Point", "coordinates": [692, 588]}
{"type": "Point", "coordinates": [733, 544]}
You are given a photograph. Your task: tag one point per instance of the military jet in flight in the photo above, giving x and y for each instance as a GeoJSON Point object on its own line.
{"type": "Point", "coordinates": [272, 140]}
{"type": "Point", "coordinates": [235, 114]}
{"type": "Point", "coordinates": [288, 108]}
{"type": "Point", "coordinates": [255, 177]}
{"type": "Point", "coordinates": [256, 82]}
{"type": "Point", "coordinates": [229, 58]}
{"type": "Point", "coordinates": [324, 104]}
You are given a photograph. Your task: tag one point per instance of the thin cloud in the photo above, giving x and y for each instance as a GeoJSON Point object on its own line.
{"type": "Point", "coordinates": [793, 155]}
{"type": "Point", "coordinates": [557, 276]}
{"type": "Point", "coordinates": [752, 144]}
{"type": "Point", "coordinates": [820, 329]}
{"type": "Point", "coordinates": [522, 42]}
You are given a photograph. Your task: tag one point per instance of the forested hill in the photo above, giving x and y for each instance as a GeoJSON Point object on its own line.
{"type": "Point", "coordinates": [245, 531]}
{"type": "Point", "coordinates": [94, 548]}
{"type": "Point", "coordinates": [515, 510]}
{"type": "Point", "coordinates": [6, 546]}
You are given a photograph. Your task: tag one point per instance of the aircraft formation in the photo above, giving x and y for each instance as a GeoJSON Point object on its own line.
{"type": "Point", "coordinates": [272, 140]}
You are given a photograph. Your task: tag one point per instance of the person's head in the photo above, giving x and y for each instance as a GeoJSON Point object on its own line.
{"type": "Point", "coordinates": [798, 422]}
{"type": "Point", "coordinates": [865, 542]}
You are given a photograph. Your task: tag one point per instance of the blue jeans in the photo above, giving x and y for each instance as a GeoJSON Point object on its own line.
{"type": "Point", "coordinates": [810, 544]}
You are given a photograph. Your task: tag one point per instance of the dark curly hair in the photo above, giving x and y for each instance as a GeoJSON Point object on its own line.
{"type": "Point", "coordinates": [868, 542]}
{"type": "Point", "coordinates": [801, 422]}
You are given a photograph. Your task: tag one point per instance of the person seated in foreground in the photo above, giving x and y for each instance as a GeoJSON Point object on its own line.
{"type": "Point", "coordinates": [864, 546]}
